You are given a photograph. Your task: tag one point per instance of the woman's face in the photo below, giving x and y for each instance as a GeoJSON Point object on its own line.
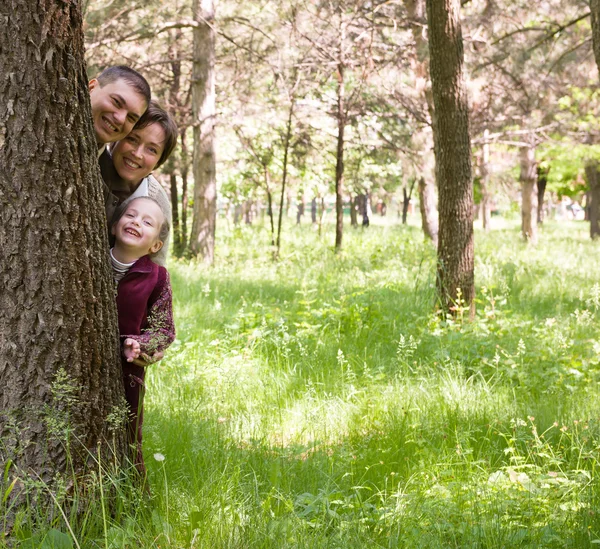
{"type": "Point", "coordinates": [136, 155]}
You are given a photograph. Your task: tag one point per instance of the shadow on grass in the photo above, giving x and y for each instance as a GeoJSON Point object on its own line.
{"type": "Point", "coordinates": [398, 486]}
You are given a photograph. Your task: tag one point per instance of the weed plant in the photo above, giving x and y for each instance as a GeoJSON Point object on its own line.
{"type": "Point", "coordinates": [322, 402]}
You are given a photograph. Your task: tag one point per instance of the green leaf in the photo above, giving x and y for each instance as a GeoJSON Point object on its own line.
{"type": "Point", "coordinates": [55, 539]}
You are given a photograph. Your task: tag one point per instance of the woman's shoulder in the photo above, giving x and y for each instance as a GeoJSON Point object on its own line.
{"type": "Point", "coordinates": [157, 192]}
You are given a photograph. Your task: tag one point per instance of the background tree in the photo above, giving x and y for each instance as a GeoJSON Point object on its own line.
{"type": "Point", "coordinates": [452, 156]}
{"type": "Point", "coordinates": [202, 237]}
{"type": "Point", "coordinates": [595, 16]}
{"type": "Point", "coordinates": [60, 374]}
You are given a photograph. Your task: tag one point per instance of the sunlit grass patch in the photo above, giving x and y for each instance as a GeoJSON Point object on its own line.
{"type": "Point", "coordinates": [321, 401]}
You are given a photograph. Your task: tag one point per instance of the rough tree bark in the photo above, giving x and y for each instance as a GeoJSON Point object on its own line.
{"type": "Point", "coordinates": [57, 305]}
{"type": "Point", "coordinates": [202, 237]}
{"type": "Point", "coordinates": [452, 155]}
{"type": "Point", "coordinates": [593, 178]}
{"type": "Point", "coordinates": [529, 200]}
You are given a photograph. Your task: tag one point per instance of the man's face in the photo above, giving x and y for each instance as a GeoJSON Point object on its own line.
{"type": "Point", "coordinates": [116, 107]}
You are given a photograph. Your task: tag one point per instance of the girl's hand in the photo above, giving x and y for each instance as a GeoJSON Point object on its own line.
{"type": "Point", "coordinates": [131, 349]}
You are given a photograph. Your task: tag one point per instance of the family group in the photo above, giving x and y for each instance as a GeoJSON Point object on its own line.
{"type": "Point", "coordinates": [135, 135]}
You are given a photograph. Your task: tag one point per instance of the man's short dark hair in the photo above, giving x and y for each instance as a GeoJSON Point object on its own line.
{"type": "Point", "coordinates": [129, 75]}
{"type": "Point", "coordinates": [155, 114]}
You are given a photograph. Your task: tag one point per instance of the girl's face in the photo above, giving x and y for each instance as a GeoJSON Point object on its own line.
{"type": "Point", "coordinates": [138, 229]}
{"type": "Point", "coordinates": [136, 155]}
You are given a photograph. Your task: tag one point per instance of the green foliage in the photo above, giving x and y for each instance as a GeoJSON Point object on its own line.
{"type": "Point", "coordinates": [566, 162]}
{"type": "Point", "coordinates": [320, 402]}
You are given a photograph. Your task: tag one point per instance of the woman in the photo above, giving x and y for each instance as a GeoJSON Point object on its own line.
{"type": "Point", "coordinates": [127, 166]}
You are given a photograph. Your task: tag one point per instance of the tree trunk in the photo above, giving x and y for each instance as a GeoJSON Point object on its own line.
{"type": "Point", "coordinates": [405, 204]}
{"type": "Point", "coordinates": [417, 13]}
{"type": "Point", "coordinates": [237, 214]}
{"type": "Point", "coordinates": [299, 212]}
{"type": "Point", "coordinates": [354, 205]}
{"type": "Point", "coordinates": [58, 319]}
{"type": "Point", "coordinates": [202, 238]}
{"type": "Point", "coordinates": [248, 213]}
{"type": "Point", "coordinates": [528, 194]}
{"type": "Point", "coordinates": [313, 210]}
{"type": "Point", "coordinates": [485, 180]}
{"type": "Point", "coordinates": [365, 210]}
{"type": "Point", "coordinates": [341, 122]}
{"type": "Point", "coordinates": [452, 157]}
{"type": "Point", "coordinates": [542, 181]}
{"type": "Point", "coordinates": [286, 155]}
{"type": "Point", "coordinates": [175, 209]}
{"type": "Point", "coordinates": [593, 177]}
{"type": "Point", "coordinates": [269, 204]}
{"type": "Point", "coordinates": [170, 167]}
{"type": "Point", "coordinates": [429, 217]}
{"type": "Point", "coordinates": [185, 168]}
{"type": "Point", "coordinates": [595, 11]}
{"type": "Point", "coordinates": [321, 215]}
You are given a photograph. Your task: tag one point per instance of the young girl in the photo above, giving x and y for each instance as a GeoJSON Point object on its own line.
{"type": "Point", "coordinates": [144, 300]}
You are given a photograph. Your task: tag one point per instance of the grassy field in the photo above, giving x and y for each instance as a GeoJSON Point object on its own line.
{"type": "Point", "coordinates": [320, 401]}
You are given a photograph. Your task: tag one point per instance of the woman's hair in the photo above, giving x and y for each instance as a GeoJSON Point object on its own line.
{"type": "Point", "coordinates": [155, 114]}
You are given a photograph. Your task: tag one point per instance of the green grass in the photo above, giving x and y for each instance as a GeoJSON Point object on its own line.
{"type": "Point", "coordinates": [320, 402]}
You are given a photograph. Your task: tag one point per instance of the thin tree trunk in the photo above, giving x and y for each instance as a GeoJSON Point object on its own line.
{"type": "Point", "coordinates": [185, 166]}
{"type": "Point", "coordinates": [313, 210]}
{"type": "Point", "coordinates": [406, 198]}
{"type": "Point", "coordinates": [595, 11]}
{"type": "Point", "coordinates": [429, 218]}
{"type": "Point", "coordinates": [321, 215]}
{"type": "Point", "coordinates": [175, 208]}
{"type": "Point", "coordinates": [269, 204]}
{"type": "Point", "coordinates": [593, 177]}
{"type": "Point", "coordinates": [485, 180]}
{"type": "Point", "coordinates": [353, 208]}
{"type": "Point", "coordinates": [417, 13]}
{"type": "Point", "coordinates": [174, 97]}
{"type": "Point", "coordinates": [528, 194]}
{"type": "Point", "coordinates": [341, 122]}
{"type": "Point", "coordinates": [365, 210]}
{"type": "Point", "coordinates": [58, 319]}
{"type": "Point", "coordinates": [248, 213]}
{"type": "Point", "coordinates": [286, 150]}
{"type": "Point", "coordinates": [300, 212]}
{"type": "Point", "coordinates": [542, 181]}
{"type": "Point", "coordinates": [202, 238]}
{"type": "Point", "coordinates": [452, 157]}
{"type": "Point", "coordinates": [405, 204]}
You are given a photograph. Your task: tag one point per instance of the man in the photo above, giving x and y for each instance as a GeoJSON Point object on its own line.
{"type": "Point", "coordinates": [119, 97]}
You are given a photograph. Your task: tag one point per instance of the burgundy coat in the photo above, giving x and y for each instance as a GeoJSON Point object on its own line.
{"type": "Point", "coordinates": [144, 305]}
